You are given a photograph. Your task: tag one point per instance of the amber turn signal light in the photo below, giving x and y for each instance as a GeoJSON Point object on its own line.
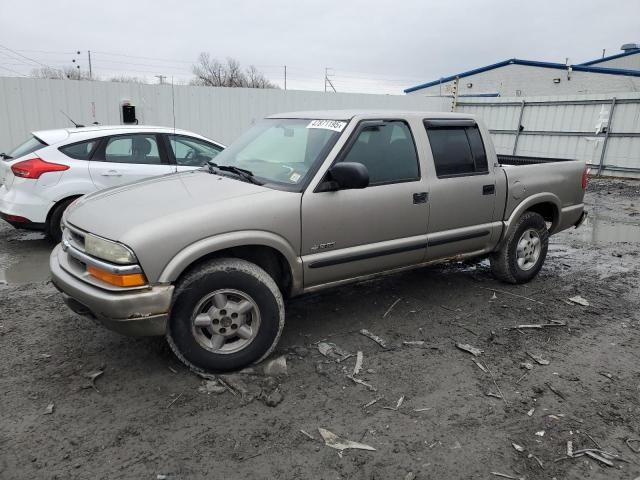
{"type": "Point", "coordinates": [126, 280]}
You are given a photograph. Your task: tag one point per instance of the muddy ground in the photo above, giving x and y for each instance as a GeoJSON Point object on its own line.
{"type": "Point", "coordinates": [146, 418]}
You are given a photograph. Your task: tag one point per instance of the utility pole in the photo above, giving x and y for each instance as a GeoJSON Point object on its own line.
{"type": "Point", "coordinates": [327, 80]}
{"type": "Point", "coordinates": [285, 77]}
{"type": "Point", "coordinates": [161, 78]}
{"type": "Point", "coordinates": [90, 71]}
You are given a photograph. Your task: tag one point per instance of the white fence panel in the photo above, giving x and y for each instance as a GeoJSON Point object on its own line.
{"type": "Point", "coordinates": [28, 104]}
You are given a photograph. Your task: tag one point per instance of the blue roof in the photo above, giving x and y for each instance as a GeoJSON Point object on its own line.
{"type": "Point", "coordinates": [530, 63]}
{"type": "Point", "coordinates": [610, 57]}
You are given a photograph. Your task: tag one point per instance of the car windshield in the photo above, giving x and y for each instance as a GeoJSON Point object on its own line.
{"type": "Point", "coordinates": [27, 147]}
{"type": "Point", "coordinates": [282, 151]}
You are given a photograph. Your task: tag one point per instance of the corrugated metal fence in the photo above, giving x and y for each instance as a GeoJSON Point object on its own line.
{"type": "Point", "coordinates": [28, 104]}
{"type": "Point", "coordinates": [603, 130]}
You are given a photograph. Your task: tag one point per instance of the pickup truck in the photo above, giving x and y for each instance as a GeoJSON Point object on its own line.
{"type": "Point", "coordinates": [303, 202]}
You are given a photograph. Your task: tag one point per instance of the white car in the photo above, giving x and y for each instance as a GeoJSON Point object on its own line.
{"type": "Point", "coordinates": [42, 176]}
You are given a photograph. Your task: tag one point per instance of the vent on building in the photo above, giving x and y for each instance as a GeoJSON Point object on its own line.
{"type": "Point", "coordinates": [630, 46]}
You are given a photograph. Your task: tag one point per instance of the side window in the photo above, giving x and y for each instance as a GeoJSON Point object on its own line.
{"type": "Point", "coordinates": [79, 151]}
{"type": "Point", "coordinates": [457, 151]}
{"type": "Point", "coordinates": [192, 152]}
{"type": "Point", "coordinates": [388, 152]}
{"type": "Point", "coordinates": [140, 148]}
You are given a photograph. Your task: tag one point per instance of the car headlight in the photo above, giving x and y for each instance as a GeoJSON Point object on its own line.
{"type": "Point", "coordinates": [108, 250]}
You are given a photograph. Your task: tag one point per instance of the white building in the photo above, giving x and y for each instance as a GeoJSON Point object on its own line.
{"type": "Point", "coordinates": [515, 78]}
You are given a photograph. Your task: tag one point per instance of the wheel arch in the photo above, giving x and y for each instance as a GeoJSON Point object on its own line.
{"type": "Point", "coordinates": [58, 203]}
{"type": "Point", "coordinates": [270, 252]}
{"type": "Point", "coordinates": [547, 205]}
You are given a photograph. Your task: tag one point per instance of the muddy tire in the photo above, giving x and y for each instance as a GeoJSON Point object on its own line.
{"type": "Point", "coordinates": [227, 314]}
{"type": "Point", "coordinates": [524, 250]}
{"type": "Point", "coordinates": [52, 229]}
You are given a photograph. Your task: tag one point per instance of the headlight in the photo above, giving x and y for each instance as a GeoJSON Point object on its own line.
{"type": "Point", "coordinates": [108, 250]}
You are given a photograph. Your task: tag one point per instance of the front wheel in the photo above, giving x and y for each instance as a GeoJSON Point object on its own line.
{"type": "Point", "coordinates": [524, 250]}
{"type": "Point", "coordinates": [227, 314]}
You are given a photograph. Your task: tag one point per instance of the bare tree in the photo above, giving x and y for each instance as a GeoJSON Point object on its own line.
{"type": "Point", "coordinates": [61, 73]}
{"type": "Point", "coordinates": [210, 72]}
{"type": "Point", "coordinates": [127, 79]}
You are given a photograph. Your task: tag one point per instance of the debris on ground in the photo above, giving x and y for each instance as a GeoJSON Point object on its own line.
{"type": "Point", "coordinates": [273, 399]}
{"type": "Point", "coordinates": [518, 448]}
{"type": "Point", "coordinates": [398, 404]}
{"type": "Point", "coordinates": [331, 350]}
{"type": "Point", "coordinates": [595, 456]}
{"type": "Point", "coordinates": [504, 475]}
{"type": "Point", "coordinates": [495, 395]}
{"type": "Point", "coordinates": [538, 358]}
{"type": "Point", "coordinates": [426, 409]}
{"type": "Point", "coordinates": [569, 448]}
{"type": "Point", "coordinates": [630, 442]}
{"type": "Point", "coordinates": [539, 462]}
{"type": "Point", "coordinates": [212, 386]}
{"type": "Point", "coordinates": [373, 337]}
{"type": "Point", "coordinates": [92, 377]}
{"type": "Point", "coordinates": [175, 400]}
{"type": "Point", "coordinates": [512, 294]}
{"type": "Point", "coordinates": [579, 301]}
{"type": "Point", "coordinates": [413, 343]}
{"type": "Point", "coordinates": [480, 366]}
{"type": "Point", "coordinates": [537, 325]}
{"type": "Point", "coordinates": [494, 296]}
{"type": "Point", "coordinates": [470, 349]}
{"type": "Point", "coordinates": [363, 383]}
{"type": "Point", "coordinates": [276, 366]}
{"type": "Point", "coordinates": [391, 308]}
{"type": "Point", "coordinates": [555, 390]}
{"type": "Point", "coordinates": [606, 375]}
{"type": "Point", "coordinates": [530, 412]}
{"type": "Point", "coordinates": [334, 441]}
{"type": "Point", "coordinates": [161, 477]}
{"type": "Point", "coordinates": [527, 365]}
{"type": "Point", "coordinates": [49, 409]}
{"type": "Point", "coordinates": [410, 476]}
{"type": "Point", "coordinates": [540, 433]}
{"type": "Point", "coordinates": [358, 366]}
{"type": "Point", "coordinates": [375, 400]}
{"type": "Point", "coordinates": [306, 434]}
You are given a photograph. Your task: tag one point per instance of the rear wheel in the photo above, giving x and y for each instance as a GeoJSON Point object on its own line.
{"type": "Point", "coordinates": [524, 250]}
{"type": "Point", "coordinates": [54, 222]}
{"type": "Point", "coordinates": [227, 314]}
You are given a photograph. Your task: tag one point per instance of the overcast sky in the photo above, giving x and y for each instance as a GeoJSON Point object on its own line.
{"type": "Point", "coordinates": [371, 46]}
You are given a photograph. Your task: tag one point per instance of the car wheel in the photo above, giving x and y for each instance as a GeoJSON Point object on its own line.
{"type": "Point", "coordinates": [524, 250]}
{"type": "Point", "coordinates": [53, 227]}
{"type": "Point", "coordinates": [227, 314]}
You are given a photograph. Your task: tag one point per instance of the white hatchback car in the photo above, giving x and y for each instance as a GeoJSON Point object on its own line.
{"type": "Point", "coordinates": [42, 176]}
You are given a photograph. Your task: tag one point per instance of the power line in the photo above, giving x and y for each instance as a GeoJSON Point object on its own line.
{"type": "Point", "coordinates": [12, 71]}
{"type": "Point", "coordinates": [24, 56]}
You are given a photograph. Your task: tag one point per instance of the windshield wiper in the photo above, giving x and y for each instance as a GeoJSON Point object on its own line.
{"type": "Point", "coordinates": [240, 172]}
{"type": "Point", "coordinates": [5, 156]}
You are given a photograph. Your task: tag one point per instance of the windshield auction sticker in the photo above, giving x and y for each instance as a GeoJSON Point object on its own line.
{"type": "Point", "coordinates": [335, 125]}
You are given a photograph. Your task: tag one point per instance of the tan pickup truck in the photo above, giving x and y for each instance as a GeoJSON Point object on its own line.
{"type": "Point", "coordinates": [299, 203]}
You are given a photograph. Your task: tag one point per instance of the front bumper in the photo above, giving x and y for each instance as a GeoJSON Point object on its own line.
{"type": "Point", "coordinates": [142, 312]}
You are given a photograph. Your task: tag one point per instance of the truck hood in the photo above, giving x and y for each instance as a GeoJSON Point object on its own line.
{"type": "Point", "coordinates": [120, 212]}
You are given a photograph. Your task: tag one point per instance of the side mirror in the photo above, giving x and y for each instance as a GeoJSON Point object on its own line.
{"type": "Point", "coordinates": [345, 176]}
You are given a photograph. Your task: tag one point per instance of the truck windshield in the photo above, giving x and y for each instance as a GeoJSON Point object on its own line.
{"type": "Point", "coordinates": [282, 151]}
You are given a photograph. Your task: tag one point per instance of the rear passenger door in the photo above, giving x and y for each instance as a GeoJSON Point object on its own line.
{"type": "Point", "coordinates": [126, 158]}
{"type": "Point", "coordinates": [462, 194]}
{"type": "Point", "coordinates": [351, 233]}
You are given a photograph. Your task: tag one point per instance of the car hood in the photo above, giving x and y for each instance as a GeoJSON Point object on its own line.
{"type": "Point", "coordinates": [160, 217]}
{"type": "Point", "coordinates": [119, 212]}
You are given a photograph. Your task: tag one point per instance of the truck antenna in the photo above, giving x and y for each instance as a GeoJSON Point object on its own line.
{"type": "Point", "coordinates": [77, 125]}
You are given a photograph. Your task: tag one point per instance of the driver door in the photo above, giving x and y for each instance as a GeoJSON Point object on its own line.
{"type": "Point", "coordinates": [351, 233]}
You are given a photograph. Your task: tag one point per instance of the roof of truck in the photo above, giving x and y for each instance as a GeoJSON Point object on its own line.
{"type": "Point", "coordinates": [368, 113]}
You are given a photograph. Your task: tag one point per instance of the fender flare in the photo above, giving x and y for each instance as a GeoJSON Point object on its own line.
{"type": "Point", "coordinates": [536, 199]}
{"type": "Point", "coordinates": [193, 252]}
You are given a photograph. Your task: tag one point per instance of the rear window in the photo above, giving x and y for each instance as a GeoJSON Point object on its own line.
{"type": "Point", "coordinates": [26, 148]}
{"type": "Point", "coordinates": [457, 151]}
{"type": "Point", "coordinates": [79, 151]}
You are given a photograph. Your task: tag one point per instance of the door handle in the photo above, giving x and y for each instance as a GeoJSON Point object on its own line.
{"type": "Point", "coordinates": [111, 173]}
{"type": "Point", "coordinates": [488, 189]}
{"type": "Point", "coordinates": [421, 197]}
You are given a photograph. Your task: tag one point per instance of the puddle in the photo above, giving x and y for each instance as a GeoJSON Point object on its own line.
{"type": "Point", "coordinates": [28, 261]}
{"type": "Point", "coordinates": [601, 231]}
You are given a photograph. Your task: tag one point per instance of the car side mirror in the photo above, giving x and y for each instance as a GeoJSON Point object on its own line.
{"type": "Point", "coordinates": [345, 176]}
